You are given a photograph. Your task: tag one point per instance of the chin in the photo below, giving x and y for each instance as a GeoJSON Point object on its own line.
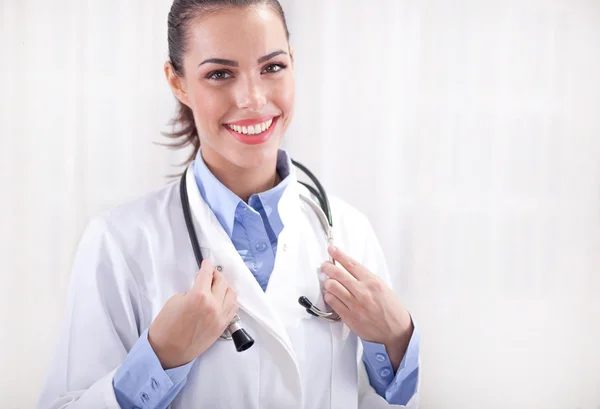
{"type": "Point", "coordinates": [255, 156]}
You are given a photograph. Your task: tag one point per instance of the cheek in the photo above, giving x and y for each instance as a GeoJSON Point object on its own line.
{"type": "Point", "coordinates": [285, 95]}
{"type": "Point", "coordinates": [209, 107]}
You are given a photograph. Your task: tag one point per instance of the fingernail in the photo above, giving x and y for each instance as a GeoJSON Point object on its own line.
{"type": "Point", "coordinates": [332, 249]}
{"type": "Point", "coordinates": [323, 276]}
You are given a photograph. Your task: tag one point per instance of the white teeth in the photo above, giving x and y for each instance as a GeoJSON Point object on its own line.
{"type": "Point", "coordinates": [252, 129]}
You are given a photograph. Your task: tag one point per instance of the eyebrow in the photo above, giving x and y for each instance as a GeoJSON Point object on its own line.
{"type": "Point", "coordinates": [231, 63]}
{"type": "Point", "coordinates": [272, 55]}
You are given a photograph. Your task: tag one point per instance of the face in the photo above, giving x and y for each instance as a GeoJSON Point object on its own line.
{"type": "Point", "coordinates": [238, 81]}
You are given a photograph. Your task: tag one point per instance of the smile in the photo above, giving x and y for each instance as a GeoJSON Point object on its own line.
{"type": "Point", "coordinates": [252, 131]}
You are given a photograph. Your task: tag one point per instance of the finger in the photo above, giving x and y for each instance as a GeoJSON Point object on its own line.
{"type": "Point", "coordinates": [351, 265]}
{"type": "Point", "coordinates": [219, 286]}
{"type": "Point", "coordinates": [342, 276]}
{"type": "Point", "coordinates": [230, 303]}
{"type": "Point", "coordinates": [337, 305]}
{"type": "Point", "coordinates": [204, 277]}
{"type": "Point", "coordinates": [336, 288]}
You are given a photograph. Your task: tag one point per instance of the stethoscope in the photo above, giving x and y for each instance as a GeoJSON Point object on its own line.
{"type": "Point", "coordinates": [235, 331]}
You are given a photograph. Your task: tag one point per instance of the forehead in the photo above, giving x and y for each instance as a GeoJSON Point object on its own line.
{"type": "Point", "coordinates": [233, 33]}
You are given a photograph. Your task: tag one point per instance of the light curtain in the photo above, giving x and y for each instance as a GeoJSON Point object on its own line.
{"type": "Point", "coordinates": [467, 131]}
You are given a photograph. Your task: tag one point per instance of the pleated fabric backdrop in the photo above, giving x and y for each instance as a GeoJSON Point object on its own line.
{"type": "Point", "coordinates": [468, 131]}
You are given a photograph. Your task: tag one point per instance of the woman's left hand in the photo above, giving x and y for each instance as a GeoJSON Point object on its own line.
{"type": "Point", "coordinates": [367, 305]}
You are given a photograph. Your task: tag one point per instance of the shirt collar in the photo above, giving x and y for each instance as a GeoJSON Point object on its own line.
{"type": "Point", "coordinates": [224, 203]}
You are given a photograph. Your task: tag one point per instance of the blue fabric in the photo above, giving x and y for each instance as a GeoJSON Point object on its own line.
{"type": "Point", "coordinates": [253, 228]}
{"type": "Point", "coordinates": [399, 388]}
{"type": "Point", "coordinates": [141, 381]}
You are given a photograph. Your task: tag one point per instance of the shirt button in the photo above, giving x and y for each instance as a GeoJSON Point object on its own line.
{"type": "Point", "coordinates": [262, 246]}
{"type": "Point", "coordinates": [385, 372]}
{"type": "Point", "coordinates": [380, 357]}
{"type": "Point", "coordinates": [154, 384]}
{"type": "Point", "coordinates": [219, 268]}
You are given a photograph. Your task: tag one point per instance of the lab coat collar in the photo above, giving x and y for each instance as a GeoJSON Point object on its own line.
{"type": "Point", "coordinates": [224, 203]}
{"type": "Point", "coordinates": [216, 245]}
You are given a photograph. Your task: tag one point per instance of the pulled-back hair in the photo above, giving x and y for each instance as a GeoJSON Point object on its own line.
{"type": "Point", "coordinates": [182, 13]}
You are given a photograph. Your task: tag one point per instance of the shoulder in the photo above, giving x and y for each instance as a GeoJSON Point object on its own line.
{"type": "Point", "coordinates": [343, 213]}
{"type": "Point", "coordinates": [134, 229]}
{"type": "Point", "coordinates": [153, 207]}
{"type": "Point", "coordinates": [348, 217]}
{"type": "Point", "coordinates": [129, 245]}
{"type": "Point", "coordinates": [348, 220]}
{"type": "Point", "coordinates": [356, 236]}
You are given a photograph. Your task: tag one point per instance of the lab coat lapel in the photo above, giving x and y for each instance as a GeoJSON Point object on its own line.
{"type": "Point", "coordinates": [302, 248]}
{"type": "Point", "coordinates": [293, 275]}
{"type": "Point", "coordinates": [282, 289]}
{"type": "Point", "coordinates": [217, 247]}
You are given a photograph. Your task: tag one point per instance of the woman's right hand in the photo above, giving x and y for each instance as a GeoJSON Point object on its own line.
{"type": "Point", "coordinates": [190, 323]}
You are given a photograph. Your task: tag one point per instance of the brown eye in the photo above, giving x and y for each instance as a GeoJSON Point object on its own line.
{"type": "Point", "coordinates": [219, 75]}
{"type": "Point", "coordinates": [273, 68]}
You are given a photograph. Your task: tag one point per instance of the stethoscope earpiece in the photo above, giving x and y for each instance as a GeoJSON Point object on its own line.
{"type": "Point", "coordinates": [316, 311]}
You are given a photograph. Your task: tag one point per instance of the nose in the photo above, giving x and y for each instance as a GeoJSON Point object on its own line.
{"type": "Point", "coordinates": [251, 94]}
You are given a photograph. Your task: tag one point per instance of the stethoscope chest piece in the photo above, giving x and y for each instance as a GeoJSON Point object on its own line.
{"type": "Point", "coordinates": [241, 339]}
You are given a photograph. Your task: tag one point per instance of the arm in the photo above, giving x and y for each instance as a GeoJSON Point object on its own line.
{"type": "Point", "coordinates": [99, 342]}
{"type": "Point", "coordinates": [142, 382]}
{"type": "Point", "coordinates": [103, 307]}
{"type": "Point", "coordinates": [101, 360]}
{"type": "Point", "coordinates": [361, 293]}
{"type": "Point", "coordinates": [368, 398]}
{"type": "Point", "coordinates": [403, 388]}
{"type": "Point", "coordinates": [399, 388]}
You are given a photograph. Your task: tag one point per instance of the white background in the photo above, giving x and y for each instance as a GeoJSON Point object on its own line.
{"type": "Point", "coordinates": [468, 131]}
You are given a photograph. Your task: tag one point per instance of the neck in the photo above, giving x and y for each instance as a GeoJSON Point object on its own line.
{"type": "Point", "coordinates": [242, 182]}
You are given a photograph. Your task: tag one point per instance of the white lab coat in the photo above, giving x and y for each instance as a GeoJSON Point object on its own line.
{"type": "Point", "coordinates": [136, 256]}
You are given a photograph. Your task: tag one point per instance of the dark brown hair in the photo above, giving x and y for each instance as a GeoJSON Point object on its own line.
{"type": "Point", "coordinates": [182, 13]}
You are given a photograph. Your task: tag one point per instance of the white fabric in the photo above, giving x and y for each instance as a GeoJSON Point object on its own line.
{"type": "Point", "coordinates": [133, 258]}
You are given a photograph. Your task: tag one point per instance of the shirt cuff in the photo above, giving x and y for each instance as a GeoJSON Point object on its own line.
{"type": "Point", "coordinates": [398, 388]}
{"type": "Point", "coordinates": [141, 380]}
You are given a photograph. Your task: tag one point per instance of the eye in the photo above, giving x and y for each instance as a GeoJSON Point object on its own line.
{"type": "Point", "coordinates": [273, 68]}
{"type": "Point", "coordinates": [219, 75]}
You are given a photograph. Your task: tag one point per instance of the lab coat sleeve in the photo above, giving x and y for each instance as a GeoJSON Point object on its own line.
{"type": "Point", "coordinates": [101, 324]}
{"type": "Point", "coordinates": [374, 260]}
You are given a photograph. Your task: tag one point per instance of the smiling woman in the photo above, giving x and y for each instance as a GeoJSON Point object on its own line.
{"type": "Point", "coordinates": [224, 77]}
{"type": "Point", "coordinates": [143, 325]}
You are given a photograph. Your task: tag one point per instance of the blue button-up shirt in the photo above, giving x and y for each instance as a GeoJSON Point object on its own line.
{"type": "Point", "coordinates": [253, 228]}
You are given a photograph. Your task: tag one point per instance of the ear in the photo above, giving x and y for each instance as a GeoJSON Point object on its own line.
{"type": "Point", "coordinates": [176, 83]}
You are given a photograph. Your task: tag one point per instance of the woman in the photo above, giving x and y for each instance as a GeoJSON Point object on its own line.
{"type": "Point", "coordinates": [142, 326]}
